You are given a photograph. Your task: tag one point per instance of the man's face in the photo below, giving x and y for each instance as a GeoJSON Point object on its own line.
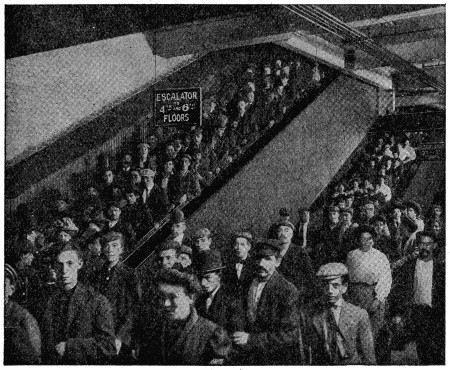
{"type": "Point", "coordinates": [369, 210]}
{"type": "Point", "coordinates": [108, 177]}
{"type": "Point", "coordinates": [131, 198]}
{"type": "Point", "coordinates": [198, 138]}
{"type": "Point", "coordinates": [411, 213]}
{"type": "Point", "coordinates": [241, 248]}
{"type": "Point", "coordinates": [333, 216]}
{"type": "Point", "coordinates": [203, 243]}
{"type": "Point", "coordinates": [135, 177]}
{"type": "Point", "coordinates": [436, 228]}
{"type": "Point", "coordinates": [220, 131]}
{"type": "Point", "coordinates": [251, 97]}
{"type": "Point", "coordinates": [95, 247]}
{"type": "Point", "coordinates": [346, 217]}
{"type": "Point", "coordinates": [64, 236]}
{"type": "Point", "coordinates": [266, 266]}
{"type": "Point", "coordinates": [143, 151]}
{"type": "Point", "coordinates": [175, 302]}
{"type": "Point", "coordinates": [210, 281]}
{"type": "Point", "coordinates": [379, 227]}
{"type": "Point", "coordinates": [426, 247]}
{"type": "Point", "coordinates": [185, 162]}
{"type": "Point", "coordinates": [92, 191]}
{"type": "Point", "coordinates": [113, 250]}
{"type": "Point", "coordinates": [397, 213]}
{"type": "Point", "coordinates": [365, 242]}
{"type": "Point", "coordinates": [349, 202]}
{"type": "Point", "coordinates": [168, 166]}
{"type": "Point", "coordinates": [152, 141]}
{"type": "Point", "coordinates": [148, 179]}
{"type": "Point", "coordinates": [285, 234]}
{"type": "Point", "coordinates": [178, 229]}
{"type": "Point", "coordinates": [437, 210]}
{"type": "Point", "coordinates": [185, 260]}
{"type": "Point", "coordinates": [167, 258]}
{"type": "Point", "coordinates": [170, 151]}
{"type": "Point", "coordinates": [67, 266]}
{"type": "Point", "coordinates": [114, 213]}
{"type": "Point", "coordinates": [333, 290]}
{"type": "Point", "coordinates": [267, 70]}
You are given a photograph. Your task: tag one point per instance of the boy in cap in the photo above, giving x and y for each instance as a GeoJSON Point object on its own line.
{"type": "Point", "coordinates": [180, 336]}
{"type": "Point", "coordinates": [272, 318]}
{"type": "Point", "coordinates": [120, 285]}
{"type": "Point", "coordinates": [22, 338]}
{"type": "Point", "coordinates": [217, 303]}
{"type": "Point", "coordinates": [284, 215]}
{"type": "Point", "coordinates": [178, 228]}
{"type": "Point", "coordinates": [341, 332]}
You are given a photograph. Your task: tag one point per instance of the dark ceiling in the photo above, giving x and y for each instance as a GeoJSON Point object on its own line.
{"type": "Point", "coordinates": [36, 28]}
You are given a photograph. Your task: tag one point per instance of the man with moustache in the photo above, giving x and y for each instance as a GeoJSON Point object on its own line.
{"type": "Point", "coordinates": [181, 336]}
{"type": "Point", "coordinates": [78, 324]}
{"type": "Point", "coordinates": [272, 329]}
{"type": "Point", "coordinates": [420, 293]}
{"type": "Point", "coordinates": [295, 263]}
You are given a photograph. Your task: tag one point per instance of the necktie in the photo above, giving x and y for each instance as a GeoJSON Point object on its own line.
{"type": "Point", "coordinates": [208, 303]}
{"type": "Point", "coordinates": [332, 336]}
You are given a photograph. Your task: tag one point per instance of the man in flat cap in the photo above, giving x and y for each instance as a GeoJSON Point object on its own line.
{"type": "Point", "coordinates": [295, 265]}
{"type": "Point", "coordinates": [181, 336]}
{"type": "Point", "coordinates": [22, 338]}
{"type": "Point", "coordinates": [413, 213]}
{"type": "Point", "coordinates": [120, 285]}
{"type": "Point", "coordinates": [341, 332]}
{"type": "Point", "coordinates": [239, 270]}
{"type": "Point", "coordinates": [142, 160]}
{"type": "Point", "coordinates": [271, 335]}
{"type": "Point", "coordinates": [284, 215]}
{"type": "Point", "coordinates": [186, 184]}
{"type": "Point", "coordinates": [218, 303]}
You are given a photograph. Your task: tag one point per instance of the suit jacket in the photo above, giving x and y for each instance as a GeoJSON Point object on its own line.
{"type": "Point", "coordinates": [226, 309]}
{"type": "Point", "coordinates": [274, 336]}
{"type": "Point", "coordinates": [121, 287]}
{"type": "Point", "coordinates": [156, 202]}
{"type": "Point", "coordinates": [403, 287]}
{"type": "Point", "coordinates": [231, 279]}
{"type": "Point", "coordinates": [89, 329]}
{"type": "Point", "coordinates": [296, 267]}
{"type": "Point", "coordinates": [199, 342]}
{"type": "Point", "coordinates": [355, 330]}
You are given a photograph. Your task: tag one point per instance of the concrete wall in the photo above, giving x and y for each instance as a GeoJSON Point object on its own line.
{"type": "Point", "coordinates": [296, 165]}
{"type": "Point", "coordinates": [49, 93]}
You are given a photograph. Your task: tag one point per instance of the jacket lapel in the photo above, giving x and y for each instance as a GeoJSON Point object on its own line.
{"type": "Point", "coordinates": [266, 294]}
{"type": "Point", "coordinates": [177, 348]}
{"type": "Point", "coordinates": [74, 304]}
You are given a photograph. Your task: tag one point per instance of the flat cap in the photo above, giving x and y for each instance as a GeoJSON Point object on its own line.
{"type": "Point", "coordinates": [168, 245]}
{"type": "Point", "coordinates": [347, 210]}
{"type": "Point", "coordinates": [333, 209]}
{"type": "Point", "coordinates": [286, 223]}
{"type": "Point", "coordinates": [244, 234]}
{"type": "Point", "coordinates": [177, 216]}
{"type": "Point", "coordinates": [284, 212]}
{"type": "Point", "coordinates": [202, 233]}
{"type": "Point", "coordinates": [267, 247]}
{"type": "Point", "coordinates": [111, 236]}
{"type": "Point", "coordinates": [331, 271]}
{"type": "Point", "coordinates": [185, 155]}
{"type": "Point", "coordinates": [147, 172]}
{"type": "Point", "coordinates": [184, 249]}
{"type": "Point", "coordinates": [142, 145]}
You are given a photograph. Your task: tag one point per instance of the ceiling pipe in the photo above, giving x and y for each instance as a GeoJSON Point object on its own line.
{"type": "Point", "coordinates": [322, 19]}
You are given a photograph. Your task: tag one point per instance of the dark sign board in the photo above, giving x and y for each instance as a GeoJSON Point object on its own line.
{"type": "Point", "coordinates": [178, 107]}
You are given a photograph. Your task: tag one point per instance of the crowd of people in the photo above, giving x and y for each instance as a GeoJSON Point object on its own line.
{"type": "Point", "coordinates": [347, 291]}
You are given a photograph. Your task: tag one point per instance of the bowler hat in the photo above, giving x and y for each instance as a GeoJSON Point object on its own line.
{"type": "Point", "coordinates": [209, 261]}
{"type": "Point", "coordinates": [147, 172]}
